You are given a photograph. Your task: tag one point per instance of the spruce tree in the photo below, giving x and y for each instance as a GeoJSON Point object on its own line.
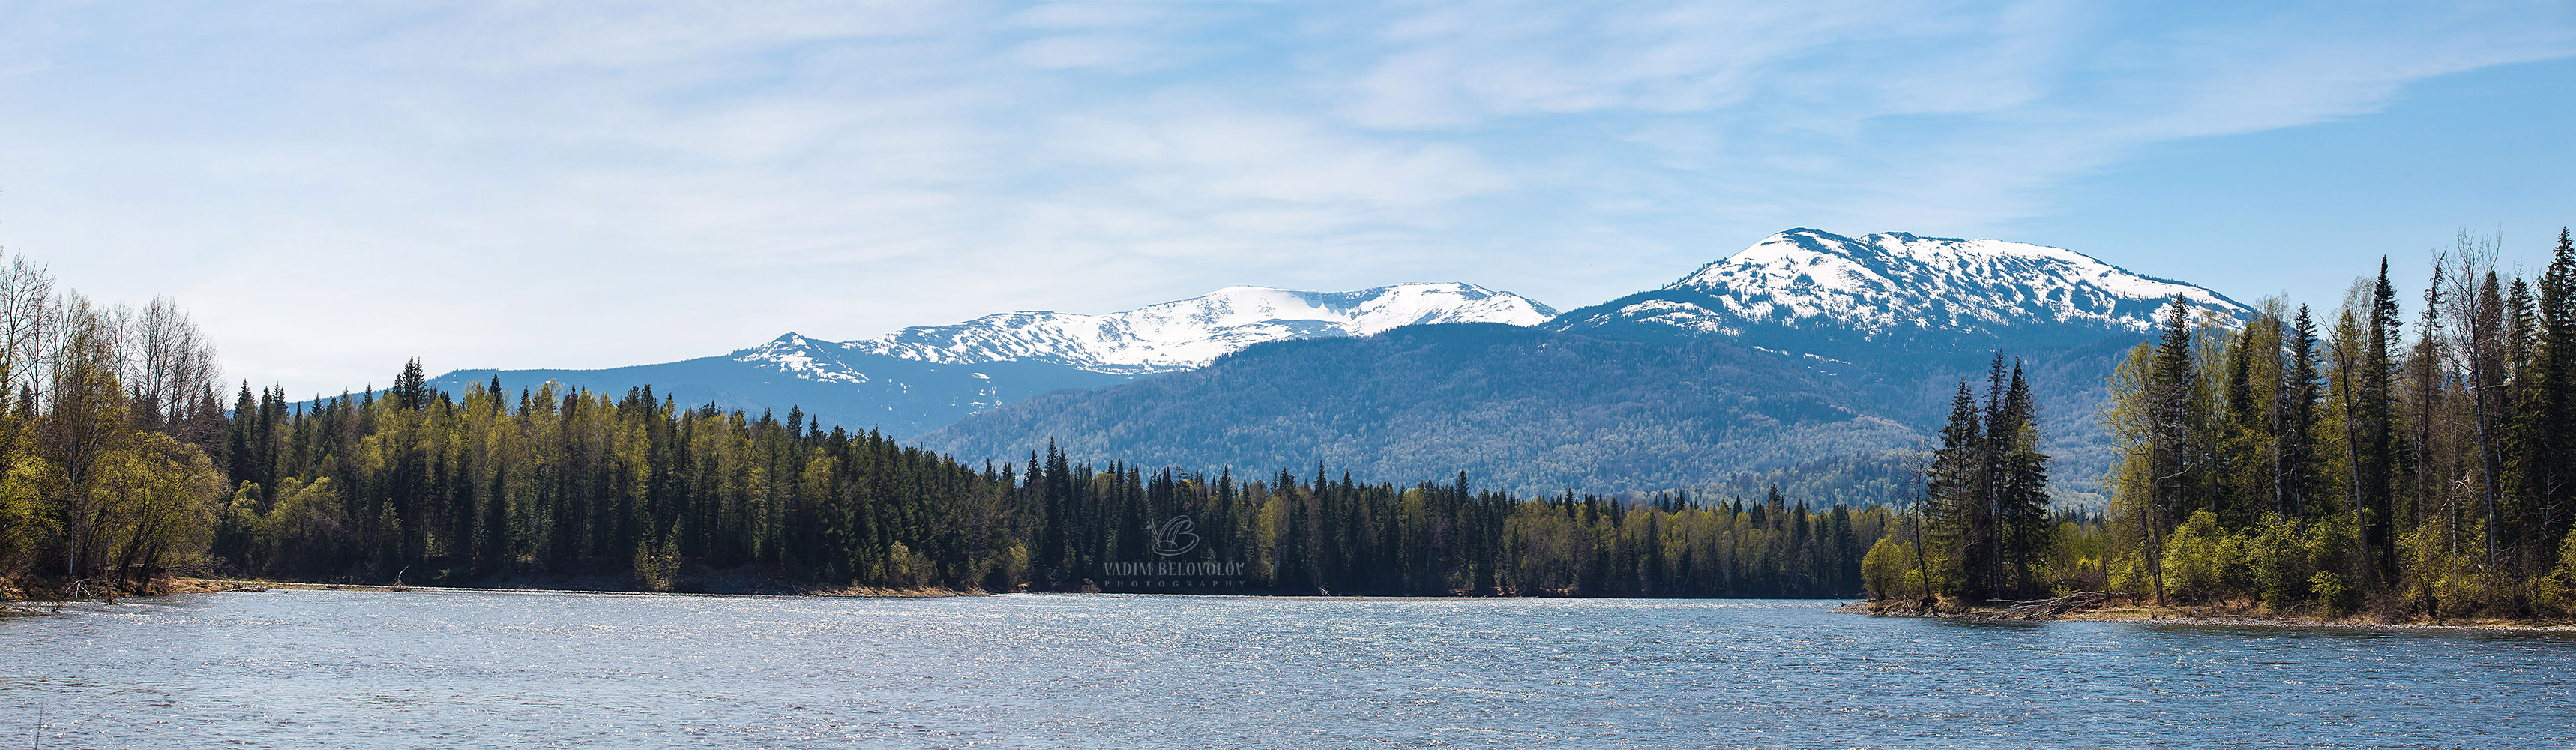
{"type": "Point", "coordinates": [2297, 407]}
{"type": "Point", "coordinates": [2550, 401]}
{"type": "Point", "coordinates": [1955, 501]}
{"type": "Point", "coordinates": [411, 388]}
{"type": "Point", "coordinates": [2171, 414]}
{"type": "Point", "coordinates": [2021, 489]}
{"type": "Point", "coordinates": [2376, 478]}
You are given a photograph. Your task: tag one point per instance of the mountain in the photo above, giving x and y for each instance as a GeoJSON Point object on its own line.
{"type": "Point", "coordinates": [1809, 356]}
{"type": "Point", "coordinates": [1516, 408]}
{"type": "Point", "coordinates": [919, 379]}
{"type": "Point", "coordinates": [1917, 314]}
{"type": "Point", "coordinates": [1894, 295]}
{"type": "Point", "coordinates": [1190, 333]}
{"type": "Point", "coordinates": [900, 397]}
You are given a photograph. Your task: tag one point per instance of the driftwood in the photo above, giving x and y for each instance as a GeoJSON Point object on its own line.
{"type": "Point", "coordinates": [2039, 609]}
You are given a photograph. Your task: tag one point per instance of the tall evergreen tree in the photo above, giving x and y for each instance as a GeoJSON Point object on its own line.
{"type": "Point", "coordinates": [1957, 501]}
{"type": "Point", "coordinates": [2380, 460]}
{"type": "Point", "coordinates": [2296, 416]}
{"type": "Point", "coordinates": [2021, 489]}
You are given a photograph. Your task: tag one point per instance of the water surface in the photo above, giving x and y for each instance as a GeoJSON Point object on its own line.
{"type": "Point", "coordinates": [451, 669]}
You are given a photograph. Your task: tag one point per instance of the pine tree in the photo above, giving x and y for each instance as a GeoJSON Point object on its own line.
{"type": "Point", "coordinates": [2296, 415]}
{"type": "Point", "coordinates": [2021, 490]}
{"type": "Point", "coordinates": [2376, 477]}
{"type": "Point", "coordinates": [1956, 502]}
{"type": "Point", "coordinates": [2171, 416]}
{"type": "Point", "coordinates": [2549, 402]}
{"type": "Point", "coordinates": [411, 388]}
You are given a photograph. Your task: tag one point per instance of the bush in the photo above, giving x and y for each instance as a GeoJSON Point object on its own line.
{"type": "Point", "coordinates": [1886, 568]}
{"type": "Point", "coordinates": [2330, 590]}
{"type": "Point", "coordinates": [2556, 592]}
{"type": "Point", "coordinates": [657, 566]}
{"type": "Point", "coordinates": [906, 570]}
{"type": "Point", "coordinates": [2203, 562]}
{"type": "Point", "coordinates": [2276, 555]}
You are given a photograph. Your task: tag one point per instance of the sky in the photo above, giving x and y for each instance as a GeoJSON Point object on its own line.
{"type": "Point", "coordinates": [332, 188]}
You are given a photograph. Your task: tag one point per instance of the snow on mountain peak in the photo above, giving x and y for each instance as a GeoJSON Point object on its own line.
{"type": "Point", "coordinates": [1176, 335]}
{"type": "Point", "coordinates": [794, 355]}
{"type": "Point", "coordinates": [1896, 285]}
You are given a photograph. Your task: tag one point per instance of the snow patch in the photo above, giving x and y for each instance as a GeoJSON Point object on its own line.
{"type": "Point", "coordinates": [1190, 333]}
{"type": "Point", "coordinates": [1879, 283]}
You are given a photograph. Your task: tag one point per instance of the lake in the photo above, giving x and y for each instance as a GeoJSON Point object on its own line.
{"type": "Point", "coordinates": [472, 669]}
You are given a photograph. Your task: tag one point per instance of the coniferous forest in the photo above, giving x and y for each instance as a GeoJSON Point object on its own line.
{"type": "Point", "coordinates": [463, 488]}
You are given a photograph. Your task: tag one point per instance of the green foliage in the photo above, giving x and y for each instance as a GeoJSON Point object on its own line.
{"type": "Point", "coordinates": [657, 566]}
{"type": "Point", "coordinates": [1887, 570]}
{"type": "Point", "coordinates": [2203, 561]}
{"type": "Point", "coordinates": [483, 485]}
{"type": "Point", "coordinates": [27, 525]}
{"type": "Point", "coordinates": [2422, 466]}
{"type": "Point", "coordinates": [1986, 493]}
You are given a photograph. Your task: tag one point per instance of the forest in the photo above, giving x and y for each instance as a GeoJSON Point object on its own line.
{"type": "Point", "coordinates": [2367, 458]}
{"type": "Point", "coordinates": [2359, 459]}
{"type": "Point", "coordinates": [461, 488]}
{"type": "Point", "coordinates": [124, 467]}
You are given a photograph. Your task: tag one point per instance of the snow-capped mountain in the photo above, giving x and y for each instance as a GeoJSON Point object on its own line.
{"type": "Point", "coordinates": [1815, 292]}
{"type": "Point", "coordinates": [1810, 353]}
{"type": "Point", "coordinates": [919, 379]}
{"type": "Point", "coordinates": [1178, 335]}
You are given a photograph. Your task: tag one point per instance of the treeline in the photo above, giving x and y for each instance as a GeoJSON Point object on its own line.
{"type": "Point", "coordinates": [459, 488]}
{"type": "Point", "coordinates": [2357, 460]}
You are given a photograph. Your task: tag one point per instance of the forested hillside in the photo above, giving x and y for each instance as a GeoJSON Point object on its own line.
{"type": "Point", "coordinates": [899, 397]}
{"type": "Point", "coordinates": [1523, 409]}
{"type": "Point", "coordinates": [1545, 412]}
{"type": "Point", "coordinates": [1809, 358]}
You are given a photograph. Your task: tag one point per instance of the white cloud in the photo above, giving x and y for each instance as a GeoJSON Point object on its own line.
{"type": "Point", "coordinates": [338, 187]}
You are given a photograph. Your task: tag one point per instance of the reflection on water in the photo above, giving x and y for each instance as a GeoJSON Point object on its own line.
{"type": "Point", "coordinates": [442, 669]}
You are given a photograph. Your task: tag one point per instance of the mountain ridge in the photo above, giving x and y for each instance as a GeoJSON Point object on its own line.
{"type": "Point", "coordinates": [1808, 291]}
{"type": "Point", "coordinates": [1848, 348]}
{"type": "Point", "coordinates": [906, 383]}
{"type": "Point", "coordinates": [1189, 333]}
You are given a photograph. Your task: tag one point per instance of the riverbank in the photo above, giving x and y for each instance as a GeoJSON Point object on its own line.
{"type": "Point", "coordinates": [214, 585]}
{"type": "Point", "coordinates": [2095, 606]}
{"type": "Point", "coordinates": [21, 602]}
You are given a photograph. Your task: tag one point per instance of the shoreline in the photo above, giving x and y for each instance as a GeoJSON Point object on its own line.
{"type": "Point", "coordinates": [224, 585]}
{"type": "Point", "coordinates": [2102, 609]}
{"type": "Point", "coordinates": [21, 605]}
{"type": "Point", "coordinates": [2098, 609]}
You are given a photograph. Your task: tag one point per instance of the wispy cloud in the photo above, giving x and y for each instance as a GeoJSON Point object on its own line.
{"type": "Point", "coordinates": [579, 184]}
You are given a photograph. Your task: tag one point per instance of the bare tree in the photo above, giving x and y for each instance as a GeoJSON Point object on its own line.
{"type": "Point", "coordinates": [169, 366]}
{"type": "Point", "coordinates": [2474, 354]}
{"type": "Point", "coordinates": [86, 421]}
{"type": "Point", "coordinates": [27, 309]}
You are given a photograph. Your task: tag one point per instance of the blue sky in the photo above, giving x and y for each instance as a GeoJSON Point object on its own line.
{"type": "Point", "coordinates": [334, 187]}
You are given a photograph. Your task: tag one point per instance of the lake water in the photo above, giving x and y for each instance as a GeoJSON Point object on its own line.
{"type": "Point", "coordinates": [449, 669]}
